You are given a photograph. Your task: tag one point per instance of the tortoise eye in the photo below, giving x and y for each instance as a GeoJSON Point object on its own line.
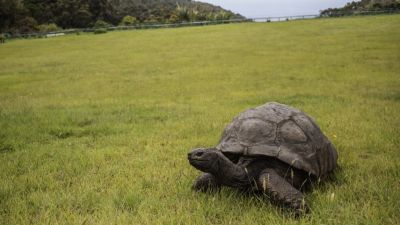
{"type": "Point", "coordinates": [198, 154]}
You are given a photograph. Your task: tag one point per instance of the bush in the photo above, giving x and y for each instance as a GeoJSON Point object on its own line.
{"type": "Point", "coordinates": [152, 19]}
{"type": "Point", "coordinates": [100, 31]}
{"type": "Point", "coordinates": [174, 18]}
{"type": "Point", "coordinates": [51, 27]}
{"type": "Point", "coordinates": [128, 21]}
{"type": "Point", "coordinates": [2, 38]}
{"type": "Point", "coordinates": [101, 24]}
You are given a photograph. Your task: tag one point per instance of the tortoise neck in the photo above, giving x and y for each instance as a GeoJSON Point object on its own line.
{"type": "Point", "coordinates": [231, 174]}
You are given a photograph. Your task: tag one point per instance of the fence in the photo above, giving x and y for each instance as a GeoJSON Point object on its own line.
{"type": "Point", "coordinates": [283, 18]}
{"type": "Point", "coordinates": [203, 23]}
{"type": "Point", "coordinates": [116, 28]}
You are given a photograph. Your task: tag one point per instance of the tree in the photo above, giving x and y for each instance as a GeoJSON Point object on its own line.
{"type": "Point", "coordinates": [349, 8]}
{"type": "Point", "coordinates": [182, 12]}
{"type": "Point", "coordinates": [18, 15]}
{"type": "Point", "coordinates": [26, 25]}
{"type": "Point", "coordinates": [10, 12]}
{"type": "Point", "coordinates": [82, 19]}
{"type": "Point", "coordinates": [223, 15]}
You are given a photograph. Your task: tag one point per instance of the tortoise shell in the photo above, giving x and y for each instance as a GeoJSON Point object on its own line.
{"type": "Point", "coordinates": [282, 132]}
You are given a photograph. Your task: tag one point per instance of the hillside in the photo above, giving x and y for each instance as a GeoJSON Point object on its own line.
{"type": "Point", "coordinates": [95, 129]}
{"type": "Point", "coordinates": [21, 16]}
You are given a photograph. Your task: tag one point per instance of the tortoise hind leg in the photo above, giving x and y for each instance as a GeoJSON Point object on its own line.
{"type": "Point", "coordinates": [282, 192]}
{"type": "Point", "coordinates": [206, 182]}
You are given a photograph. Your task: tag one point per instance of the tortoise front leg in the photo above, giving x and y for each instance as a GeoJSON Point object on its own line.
{"type": "Point", "coordinates": [282, 192]}
{"type": "Point", "coordinates": [206, 182]}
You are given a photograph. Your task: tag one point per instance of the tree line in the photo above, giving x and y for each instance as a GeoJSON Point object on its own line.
{"type": "Point", "coordinates": [24, 16]}
{"type": "Point", "coordinates": [363, 5]}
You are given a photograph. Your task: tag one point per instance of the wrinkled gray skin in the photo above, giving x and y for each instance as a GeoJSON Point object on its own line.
{"type": "Point", "coordinates": [272, 149]}
{"type": "Point", "coordinates": [261, 175]}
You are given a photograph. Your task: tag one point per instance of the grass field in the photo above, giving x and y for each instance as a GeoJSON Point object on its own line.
{"type": "Point", "coordinates": [95, 129]}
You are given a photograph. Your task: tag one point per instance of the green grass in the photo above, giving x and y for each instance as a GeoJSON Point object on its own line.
{"type": "Point", "coordinates": [95, 128]}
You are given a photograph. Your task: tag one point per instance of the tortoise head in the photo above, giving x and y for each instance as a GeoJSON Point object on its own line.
{"type": "Point", "coordinates": [205, 159]}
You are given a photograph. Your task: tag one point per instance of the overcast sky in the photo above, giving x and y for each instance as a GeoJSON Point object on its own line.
{"type": "Point", "coordinates": [265, 8]}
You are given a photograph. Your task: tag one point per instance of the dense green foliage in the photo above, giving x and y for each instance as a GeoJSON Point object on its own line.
{"type": "Point", "coordinates": [95, 129]}
{"type": "Point", "coordinates": [100, 31]}
{"type": "Point", "coordinates": [2, 38]}
{"type": "Point", "coordinates": [362, 5]}
{"type": "Point", "coordinates": [128, 21]}
{"type": "Point", "coordinates": [48, 27]}
{"type": "Point", "coordinates": [22, 16]}
{"type": "Point", "coordinates": [101, 24]}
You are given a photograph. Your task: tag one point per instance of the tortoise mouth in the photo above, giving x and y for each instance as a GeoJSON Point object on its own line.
{"type": "Point", "coordinates": [191, 159]}
{"type": "Point", "coordinates": [194, 159]}
{"type": "Point", "coordinates": [202, 165]}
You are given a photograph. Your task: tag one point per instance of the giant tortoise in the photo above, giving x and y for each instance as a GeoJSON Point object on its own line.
{"type": "Point", "coordinates": [272, 149]}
